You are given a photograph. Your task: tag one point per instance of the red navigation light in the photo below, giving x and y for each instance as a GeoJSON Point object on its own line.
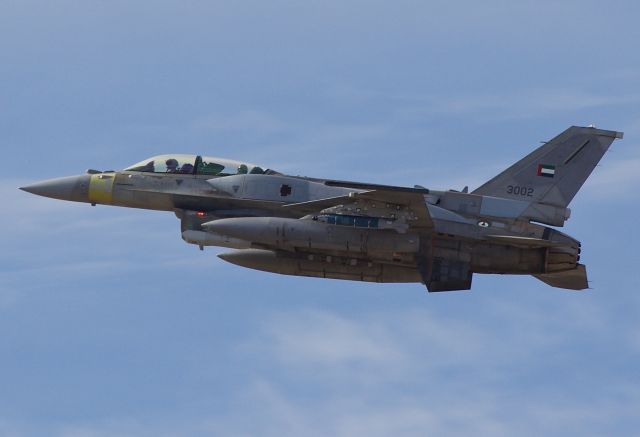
{"type": "Point", "coordinates": [201, 213]}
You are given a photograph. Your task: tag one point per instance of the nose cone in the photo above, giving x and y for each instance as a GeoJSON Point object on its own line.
{"type": "Point", "coordinates": [75, 188]}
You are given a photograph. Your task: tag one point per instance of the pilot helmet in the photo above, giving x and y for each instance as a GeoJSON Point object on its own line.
{"type": "Point", "coordinates": [172, 163]}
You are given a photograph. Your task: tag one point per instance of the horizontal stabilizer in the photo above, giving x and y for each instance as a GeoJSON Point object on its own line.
{"type": "Point", "coordinates": [575, 279]}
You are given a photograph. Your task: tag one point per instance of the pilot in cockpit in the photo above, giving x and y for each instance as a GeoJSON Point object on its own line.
{"type": "Point", "coordinates": [147, 167]}
{"type": "Point", "coordinates": [172, 165]}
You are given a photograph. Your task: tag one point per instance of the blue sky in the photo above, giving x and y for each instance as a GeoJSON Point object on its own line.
{"type": "Point", "coordinates": [111, 325]}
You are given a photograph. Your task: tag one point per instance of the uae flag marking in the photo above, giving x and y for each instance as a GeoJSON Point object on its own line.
{"type": "Point", "coordinates": [546, 170]}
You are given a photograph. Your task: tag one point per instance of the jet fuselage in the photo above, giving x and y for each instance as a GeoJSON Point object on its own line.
{"type": "Point", "coordinates": [350, 230]}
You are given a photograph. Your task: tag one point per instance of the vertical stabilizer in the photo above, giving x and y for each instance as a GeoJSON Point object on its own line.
{"type": "Point", "coordinates": [553, 173]}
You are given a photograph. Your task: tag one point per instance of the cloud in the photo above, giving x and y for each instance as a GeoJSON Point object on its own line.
{"type": "Point", "coordinates": [414, 341]}
{"type": "Point", "coordinates": [319, 341]}
{"type": "Point", "coordinates": [440, 374]}
{"type": "Point", "coordinates": [273, 413]}
{"type": "Point", "coordinates": [615, 178]}
{"type": "Point", "coordinates": [267, 411]}
{"type": "Point", "coordinates": [410, 372]}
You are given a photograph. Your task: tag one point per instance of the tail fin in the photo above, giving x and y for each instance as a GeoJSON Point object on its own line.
{"type": "Point", "coordinates": [553, 173]}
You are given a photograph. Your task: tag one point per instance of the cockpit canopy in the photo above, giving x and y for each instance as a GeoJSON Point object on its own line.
{"type": "Point", "coordinates": [198, 165]}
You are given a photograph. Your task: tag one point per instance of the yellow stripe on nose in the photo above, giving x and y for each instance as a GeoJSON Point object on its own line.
{"type": "Point", "coordinates": [100, 188]}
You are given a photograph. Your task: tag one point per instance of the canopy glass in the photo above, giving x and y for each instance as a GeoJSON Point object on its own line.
{"type": "Point", "coordinates": [196, 164]}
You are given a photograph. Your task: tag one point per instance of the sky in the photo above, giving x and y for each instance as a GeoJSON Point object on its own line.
{"type": "Point", "coordinates": [111, 325]}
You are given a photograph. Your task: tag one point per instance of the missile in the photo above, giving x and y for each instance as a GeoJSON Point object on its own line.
{"type": "Point", "coordinates": [320, 266]}
{"type": "Point", "coordinates": [289, 234]}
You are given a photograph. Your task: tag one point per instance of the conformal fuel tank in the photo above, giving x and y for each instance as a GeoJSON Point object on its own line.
{"type": "Point", "coordinates": [320, 266]}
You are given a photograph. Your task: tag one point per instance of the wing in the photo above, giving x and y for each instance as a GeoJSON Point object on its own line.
{"type": "Point", "coordinates": [314, 206]}
{"type": "Point", "coordinates": [383, 199]}
{"type": "Point", "coordinates": [367, 186]}
{"type": "Point", "coordinates": [407, 208]}
{"type": "Point", "coordinates": [414, 201]}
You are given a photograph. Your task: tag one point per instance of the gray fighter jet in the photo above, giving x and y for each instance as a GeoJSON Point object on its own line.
{"type": "Point", "coordinates": [366, 232]}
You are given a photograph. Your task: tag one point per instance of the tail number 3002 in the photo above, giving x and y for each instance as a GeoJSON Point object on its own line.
{"type": "Point", "coordinates": [520, 191]}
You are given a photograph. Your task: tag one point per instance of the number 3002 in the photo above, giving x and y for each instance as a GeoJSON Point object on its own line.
{"type": "Point", "coordinates": [520, 191]}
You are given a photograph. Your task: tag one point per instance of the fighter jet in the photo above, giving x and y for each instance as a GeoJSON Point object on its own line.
{"type": "Point", "coordinates": [336, 229]}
